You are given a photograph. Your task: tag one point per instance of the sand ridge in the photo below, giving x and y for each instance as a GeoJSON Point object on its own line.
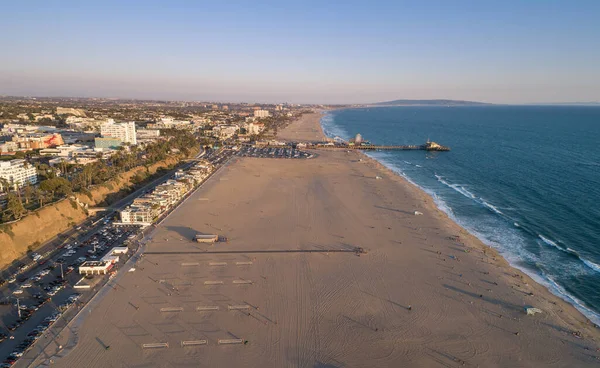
{"type": "Point", "coordinates": [426, 293]}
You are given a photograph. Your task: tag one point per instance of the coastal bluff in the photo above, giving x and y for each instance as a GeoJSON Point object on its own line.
{"type": "Point", "coordinates": [42, 225]}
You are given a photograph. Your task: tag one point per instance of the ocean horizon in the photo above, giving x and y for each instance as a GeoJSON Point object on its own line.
{"type": "Point", "coordinates": [523, 179]}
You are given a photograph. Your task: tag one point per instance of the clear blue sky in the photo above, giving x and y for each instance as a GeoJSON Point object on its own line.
{"type": "Point", "coordinates": [303, 51]}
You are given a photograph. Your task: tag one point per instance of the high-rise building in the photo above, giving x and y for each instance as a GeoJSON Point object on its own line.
{"type": "Point", "coordinates": [123, 131]}
{"type": "Point", "coordinates": [17, 173]}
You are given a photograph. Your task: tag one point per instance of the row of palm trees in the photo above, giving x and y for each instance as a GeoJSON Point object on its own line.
{"type": "Point", "coordinates": [61, 181]}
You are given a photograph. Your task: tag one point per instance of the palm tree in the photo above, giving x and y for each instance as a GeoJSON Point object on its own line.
{"type": "Point", "coordinates": [5, 185]}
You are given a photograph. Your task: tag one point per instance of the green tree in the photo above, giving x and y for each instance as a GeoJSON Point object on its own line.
{"type": "Point", "coordinates": [5, 185]}
{"type": "Point", "coordinates": [27, 192]}
{"type": "Point", "coordinates": [60, 186]}
{"type": "Point", "coordinates": [14, 206]}
{"type": "Point", "coordinates": [45, 171]}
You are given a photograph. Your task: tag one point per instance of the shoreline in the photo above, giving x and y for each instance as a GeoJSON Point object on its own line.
{"type": "Point", "coordinates": [425, 293]}
{"type": "Point", "coordinates": [429, 199]}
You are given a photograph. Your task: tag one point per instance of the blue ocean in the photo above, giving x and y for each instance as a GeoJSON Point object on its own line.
{"type": "Point", "coordinates": [524, 179]}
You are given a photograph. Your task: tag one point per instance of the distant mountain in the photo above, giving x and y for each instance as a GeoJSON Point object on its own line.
{"type": "Point", "coordinates": [428, 103]}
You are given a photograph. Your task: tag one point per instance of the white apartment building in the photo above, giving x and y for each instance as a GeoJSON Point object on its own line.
{"type": "Point", "coordinates": [123, 131]}
{"type": "Point", "coordinates": [225, 131]}
{"type": "Point", "coordinates": [140, 214]}
{"type": "Point", "coordinates": [261, 113]}
{"type": "Point", "coordinates": [17, 173]}
{"type": "Point", "coordinates": [147, 134]}
{"type": "Point", "coordinates": [255, 128]}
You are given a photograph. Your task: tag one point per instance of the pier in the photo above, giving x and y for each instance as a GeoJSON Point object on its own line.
{"type": "Point", "coordinates": [428, 146]}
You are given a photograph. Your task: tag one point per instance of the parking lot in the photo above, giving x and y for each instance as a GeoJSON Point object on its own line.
{"type": "Point", "coordinates": [32, 301]}
{"type": "Point", "coordinates": [38, 292]}
{"type": "Point", "coordinates": [272, 152]}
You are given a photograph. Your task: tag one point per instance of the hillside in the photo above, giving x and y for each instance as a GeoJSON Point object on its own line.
{"type": "Point", "coordinates": [42, 225]}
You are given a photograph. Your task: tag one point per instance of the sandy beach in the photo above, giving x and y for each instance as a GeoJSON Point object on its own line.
{"type": "Point", "coordinates": [425, 294]}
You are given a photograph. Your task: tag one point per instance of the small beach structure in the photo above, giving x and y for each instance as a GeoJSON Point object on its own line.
{"type": "Point", "coordinates": [206, 238]}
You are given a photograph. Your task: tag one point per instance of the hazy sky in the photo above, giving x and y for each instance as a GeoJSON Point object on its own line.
{"type": "Point", "coordinates": [303, 51]}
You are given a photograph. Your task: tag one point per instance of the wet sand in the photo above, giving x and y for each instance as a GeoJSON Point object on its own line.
{"type": "Point", "coordinates": [425, 294]}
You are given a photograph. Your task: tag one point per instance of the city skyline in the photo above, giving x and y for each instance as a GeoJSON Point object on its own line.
{"type": "Point", "coordinates": [303, 53]}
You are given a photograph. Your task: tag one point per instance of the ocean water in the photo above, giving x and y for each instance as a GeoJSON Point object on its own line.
{"type": "Point", "coordinates": [523, 179]}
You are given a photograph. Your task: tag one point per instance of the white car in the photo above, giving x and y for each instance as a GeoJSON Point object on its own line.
{"type": "Point", "coordinates": [26, 285]}
{"type": "Point", "coordinates": [18, 291]}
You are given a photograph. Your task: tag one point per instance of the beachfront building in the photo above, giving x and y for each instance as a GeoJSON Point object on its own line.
{"type": "Point", "coordinates": [140, 214]}
{"type": "Point", "coordinates": [123, 131]}
{"type": "Point", "coordinates": [16, 173]}
{"type": "Point", "coordinates": [261, 113]}
{"type": "Point", "coordinates": [95, 268]}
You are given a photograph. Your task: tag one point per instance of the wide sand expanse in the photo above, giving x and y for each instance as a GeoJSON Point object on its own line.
{"type": "Point", "coordinates": [425, 294]}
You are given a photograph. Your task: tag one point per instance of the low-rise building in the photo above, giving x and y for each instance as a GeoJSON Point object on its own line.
{"type": "Point", "coordinates": [225, 131]}
{"type": "Point", "coordinates": [107, 142]}
{"type": "Point", "coordinates": [144, 135]}
{"type": "Point", "coordinates": [32, 141]}
{"type": "Point", "coordinates": [95, 267]}
{"type": "Point", "coordinates": [261, 113]}
{"type": "Point", "coordinates": [140, 214]}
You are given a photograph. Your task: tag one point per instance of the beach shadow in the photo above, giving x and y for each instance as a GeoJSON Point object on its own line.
{"type": "Point", "coordinates": [325, 365]}
{"type": "Point", "coordinates": [394, 210]}
{"type": "Point", "coordinates": [233, 335]}
{"type": "Point", "coordinates": [488, 282]}
{"type": "Point", "coordinates": [557, 328]}
{"type": "Point", "coordinates": [359, 323]}
{"type": "Point", "coordinates": [452, 273]}
{"type": "Point", "coordinates": [385, 300]}
{"type": "Point", "coordinates": [484, 298]}
{"type": "Point", "coordinates": [184, 231]}
{"type": "Point", "coordinates": [441, 357]}
{"type": "Point", "coordinates": [104, 346]}
{"type": "Point", "coordinates": [501, 328]}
